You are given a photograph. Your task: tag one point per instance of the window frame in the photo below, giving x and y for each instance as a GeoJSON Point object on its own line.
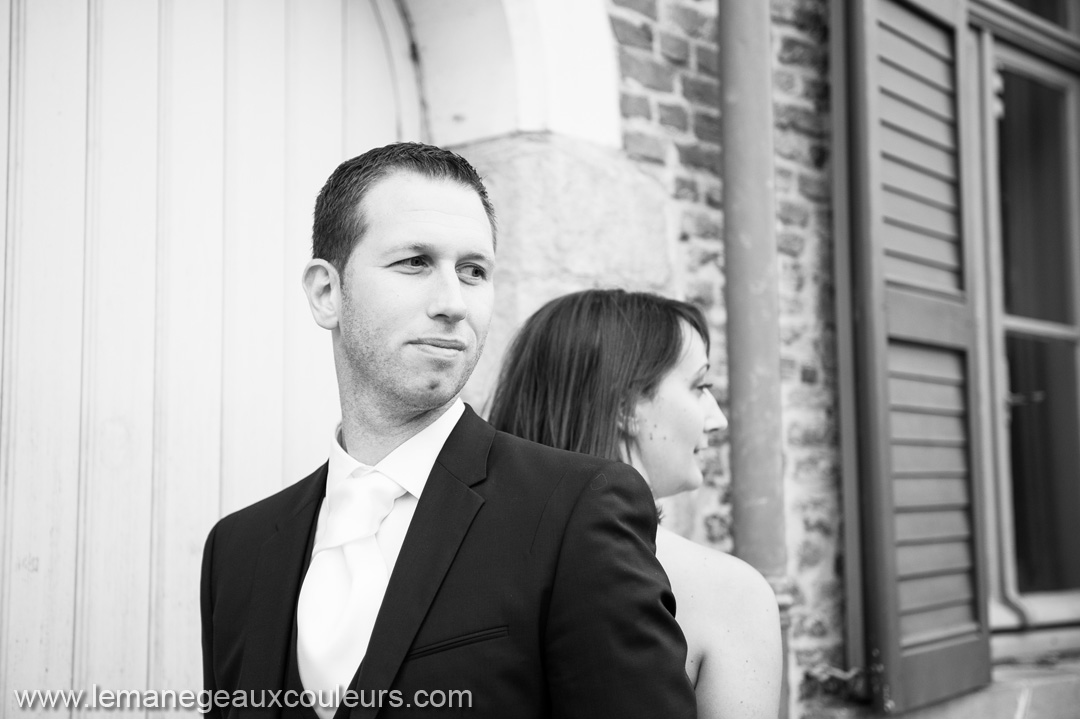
{"type": "Point", "coordinates": [1010, 609]}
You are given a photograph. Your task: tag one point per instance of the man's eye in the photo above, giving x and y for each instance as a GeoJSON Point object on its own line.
{"type": "Point", "coordinates": [705, 386]}
{"type": "Point", "coordinates": [415, 262]}
{"type": "Point", "coordinates": [474, 272]}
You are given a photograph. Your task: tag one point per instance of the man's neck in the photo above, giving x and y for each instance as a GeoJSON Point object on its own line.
{"type": "Point", "coordinates": [369, 435]}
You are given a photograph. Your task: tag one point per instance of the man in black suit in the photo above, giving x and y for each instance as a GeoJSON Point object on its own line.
{"type": "Point", "coordinates": [499, 578]}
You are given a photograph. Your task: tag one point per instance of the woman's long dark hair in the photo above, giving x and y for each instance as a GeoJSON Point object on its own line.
{"type": "Point", "coordinates": [582, 362]}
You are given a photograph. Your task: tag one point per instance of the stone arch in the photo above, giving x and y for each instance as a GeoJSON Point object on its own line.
{"type": "Point", "coordinates": [495, 67]}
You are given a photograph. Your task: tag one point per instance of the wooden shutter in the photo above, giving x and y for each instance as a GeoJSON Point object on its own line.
{"type": "Point", "coordinates": [927, 628]}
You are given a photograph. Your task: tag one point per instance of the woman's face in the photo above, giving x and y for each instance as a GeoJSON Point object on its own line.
{"type": "Point", "coordinates": [672, 426]}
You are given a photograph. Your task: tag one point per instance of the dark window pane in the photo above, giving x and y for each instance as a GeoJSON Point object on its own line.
{"type": "Point", "coordinates": [1032, 156]}
{"type": "Point", "coordinates": [1052, 10]}
{"type": "Point", "coordinates": [1045, 463]}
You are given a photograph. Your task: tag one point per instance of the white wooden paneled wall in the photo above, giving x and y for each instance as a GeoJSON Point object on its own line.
{"type": "Point", "coordinates": [160, 366]}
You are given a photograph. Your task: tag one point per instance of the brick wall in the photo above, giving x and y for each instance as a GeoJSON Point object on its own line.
{"type": "Point", "coordinates": [670, 87]}
{"type": "Point", "coordinates": [670, 100]}
{"type": "Point", "coordinates": [808, 346]}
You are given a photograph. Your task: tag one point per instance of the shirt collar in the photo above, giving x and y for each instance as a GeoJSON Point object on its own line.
{"type": "Point", "coordinates": [409, 464]}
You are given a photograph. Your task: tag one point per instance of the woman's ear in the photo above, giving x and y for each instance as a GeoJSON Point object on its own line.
{"type": "Point", "coordinates": [322, 286]}
{"type": "Point", "coordinates": [627, 421]}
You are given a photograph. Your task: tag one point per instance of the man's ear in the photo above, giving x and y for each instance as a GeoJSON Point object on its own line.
{"type": "Point", "coordinates": [322, 285]}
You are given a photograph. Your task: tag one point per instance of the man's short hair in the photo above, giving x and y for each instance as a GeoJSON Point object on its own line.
{"type": "Point", "coordinates": [339, 222]}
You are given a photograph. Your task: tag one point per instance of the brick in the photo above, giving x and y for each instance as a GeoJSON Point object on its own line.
{"type": "Point", "coordinates": [702, 91]}
{"type": "Point", "coordinates": [705, 253]}
{"type": "Point", "coordinates": [791, 213]}
{"type": "Point", "coordinates": [701, 293]}
{"type": "Point", "coordinates": [694, 23]}
{"type": "Point", "coordinates": [650, 73]}
{"type": "Point", "coordinates": [814, 188]}
{"type": "Point", "coordinates": [718, 528]}
{"type": "Point", "coordinates": [816, 91]}
{"type": "Point", "coordinates": [714, 195]}
{"type": "Point", "coordinates": [632, 34]}
{"type": "Point", "coordinates": [707, 126]}
{"type": "Point", "coordinates": [785, 82]}
{"type": "Point", "coordinates": [707, 60]}
{"type": "Point", "coordinates": [794, 51]}
{"type": "Point", "coordinates": [674, 48]}
{"type": "Point", "coordinates": [792, 276]}
{"type": "Point", "coordinates": [645, 147]}
{"type": "Point", "coordinates": [686, 189]}
{"type": "Point", "coordinates": [787, 368]}
{"type": "Point", "coordinates": [805, 16]}
{"type": "Point", "coordinates": [815, 433]}
{"type": "Point", "coordinates": [784, 180]}
{"type": "Point", "coordinates": [791, 305]}
{"type": "Point", "coordinates": [703, 158]}
{"type": "Point", "coordinates": [644, 7]}
{"type": "Point", "coordinates": [790, 243]}
{"type": "Point", "coordinates": [811, 554]}
{"type": "Point", "coordinates": [800, 119]}
{"type": "Point", "coordinates": [808, 626]}
{"type": "Point", "coordinates": [698, 223]}
{"type": "Point", "coordinates": [675, 117]}
{"type": "Point", "coordinates": [634, 106]}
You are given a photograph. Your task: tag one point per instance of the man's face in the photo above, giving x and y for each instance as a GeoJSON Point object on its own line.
{"type": "Point", "coordinates": [417, 293]}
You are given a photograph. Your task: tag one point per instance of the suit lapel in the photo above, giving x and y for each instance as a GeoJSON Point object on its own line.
{"type": "Point", "coordinates": [443, 516]}
{"type": "Point", "coordinates": [276, 587]}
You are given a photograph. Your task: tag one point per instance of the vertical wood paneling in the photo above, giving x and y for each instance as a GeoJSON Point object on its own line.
{"type": "Point", "coordinates": [6, 246]}
{"type": "Point", "coordinates": [160, 365]}
{"type": "Point", "coordinates": [253, 361]}
{"type": "Point", "coordinates": [369, 81]}
{"type": "Point", "coordinates": [43, 359]}
{"type": "Point", "coordinates": [187, 423]}
{"type": "Point", "coordinates": [8, 48]}
{"type": "Point", "coordinates": [314, 128]}
{"type": "Point", "coordinates": [114, 538]}
{"type": "Point", "coordinates": [5, 69]}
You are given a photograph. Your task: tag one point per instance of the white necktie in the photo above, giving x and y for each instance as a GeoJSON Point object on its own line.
{"type": "Point", "coordinates": [344, 586]}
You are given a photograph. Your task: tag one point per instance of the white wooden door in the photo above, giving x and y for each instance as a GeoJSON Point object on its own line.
{"type": "Point", "coordinates": [160, 367]}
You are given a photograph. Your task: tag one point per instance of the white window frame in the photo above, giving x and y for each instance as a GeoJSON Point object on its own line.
{"type": "Point", "coordinates": [1033, 623]}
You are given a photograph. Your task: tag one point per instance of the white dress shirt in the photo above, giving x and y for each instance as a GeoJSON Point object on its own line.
{"type": "Point", "coordinates": [409, 465]}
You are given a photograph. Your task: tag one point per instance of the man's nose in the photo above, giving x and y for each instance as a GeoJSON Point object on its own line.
{"type": "Point", "coordinates": [447, 300]}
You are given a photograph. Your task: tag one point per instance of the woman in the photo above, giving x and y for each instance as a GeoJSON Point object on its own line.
{"type": "Point", "coordinates": [625, 376]}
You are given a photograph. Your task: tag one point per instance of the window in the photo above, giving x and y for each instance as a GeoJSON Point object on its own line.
{"type": "Point", "coordinates": [1034, 335]}
{"type": "Point", "coordinates": [958, 251]}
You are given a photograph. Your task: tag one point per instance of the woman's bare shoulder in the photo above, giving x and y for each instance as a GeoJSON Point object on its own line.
{"type": "Point", "coordinates": [730, 616]}
{"type": "Point", "coordinates": [725, 580]}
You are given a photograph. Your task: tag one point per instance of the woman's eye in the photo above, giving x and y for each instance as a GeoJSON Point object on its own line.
{"type": "Point", "coordinates": [705, 386]}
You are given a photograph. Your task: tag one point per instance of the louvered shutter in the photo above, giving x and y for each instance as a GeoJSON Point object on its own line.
{"type": "Point", "coordinates": [927, 630]}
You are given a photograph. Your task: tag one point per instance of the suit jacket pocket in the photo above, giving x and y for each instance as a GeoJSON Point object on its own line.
{"type": "Point", "coordinates": [453, 643]}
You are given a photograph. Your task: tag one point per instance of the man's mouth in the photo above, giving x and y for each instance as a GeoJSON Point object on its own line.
{"type": "Point", "coordinates": [445, 343]}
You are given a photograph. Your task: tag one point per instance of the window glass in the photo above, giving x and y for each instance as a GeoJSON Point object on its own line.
{"type": "Point", "coordinates": [1045, 462]}
{"type": "Point", "coordinates": [1032, 149]}
{"type": "Point", "coordinates": [1052, 10]}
